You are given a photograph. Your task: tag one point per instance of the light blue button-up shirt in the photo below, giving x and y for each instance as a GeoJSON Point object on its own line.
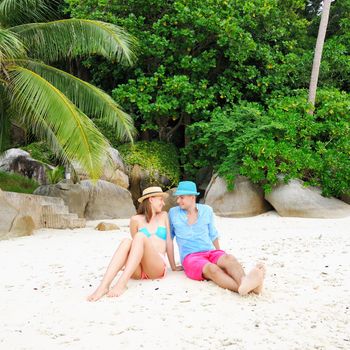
{"type": "Point", "coordinates": [194, 238]}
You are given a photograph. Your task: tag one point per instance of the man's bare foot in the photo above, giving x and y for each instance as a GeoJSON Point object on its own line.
{"type": "Point", "coordinates": [259, 288]}
{"type": "Point", "coordinates": [98, 293]}
{"type": "Point", "coordinates": [253, 281]}
{"type": "Point", "coordinates": [117, 291]}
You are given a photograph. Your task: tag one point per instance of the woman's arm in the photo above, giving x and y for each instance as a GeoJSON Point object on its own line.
{"type": "Point", "coordinates": [170, 246]}
{"type": "Point", "coordinates": [134, 226]}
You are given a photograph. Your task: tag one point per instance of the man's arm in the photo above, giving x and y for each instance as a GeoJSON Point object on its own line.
{"type": "Point", "coordinates": [170, 247]}
{"type": "Point", "coordinates": [216, 243]}
{"type": "Point", "coordinates": [213, 233]}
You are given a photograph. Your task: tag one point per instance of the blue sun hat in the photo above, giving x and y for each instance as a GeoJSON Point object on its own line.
{"type": "Point", "coordinates": [186, 188]}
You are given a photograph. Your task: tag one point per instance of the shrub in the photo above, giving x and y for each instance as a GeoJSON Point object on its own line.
{"type": "Point", "coordinates": [286, 139]}
{"type": "Point", "coordinates": [41, 152]}
{"type": "Point", "coordinates": [55, 175]}
{"type": "Point", "coordinates": [17, 183]}
{"type": "Point", "coordinates": [156, 157]}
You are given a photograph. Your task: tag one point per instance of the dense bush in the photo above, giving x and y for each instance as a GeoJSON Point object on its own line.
{"type": "Point", "coordinates": [219, 79]}
{"type": "Point", "coordinates": [41, 152]}
{"type": "Point", "coordinates": [17, 183]}
{"type": "Point", "coordinates": [156, 157]}
{"type": "Point", "coordinates": [198, 55]}
{"type": "Point", "coordinates": [286, 139]}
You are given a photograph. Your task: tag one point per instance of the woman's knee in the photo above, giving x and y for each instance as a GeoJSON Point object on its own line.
{"type": "Point", "coordinates": [126, 241]}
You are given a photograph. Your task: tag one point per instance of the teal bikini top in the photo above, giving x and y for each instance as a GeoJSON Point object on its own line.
{"type": "Point", "coordinates": [160, 232]}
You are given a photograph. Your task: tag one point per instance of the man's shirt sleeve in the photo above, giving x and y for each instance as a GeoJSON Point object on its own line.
{"type": "Point", "coordinates": [213, 233]}
{"type": "Point", "coordinates": [172, 229]}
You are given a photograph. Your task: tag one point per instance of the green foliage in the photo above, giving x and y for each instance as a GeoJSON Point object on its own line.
{"type": "Point", "coordinates": [40, 151]}
{"type": "Point", "coordinates": [51, 104]}
{"type": "Point", "coordinates": [196, 56]}
{"type": "Point", "coordinates": [55, 175]}
{"type": "Point", "coordinates": [108, 132]}
{"type": "Point", "coordinates": [286, 139]}
{"type": "Point", "coordinates": [159, 158]}
{"type": "Point", "coordinates": [17, 183]}
{"type": "Point", "coordinates": [218, 79]}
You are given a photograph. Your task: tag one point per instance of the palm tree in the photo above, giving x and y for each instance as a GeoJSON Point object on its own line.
{"type": "Point", "coordinates": [51, 103]}
{"type": "Point", "coordinates": [318, 51]}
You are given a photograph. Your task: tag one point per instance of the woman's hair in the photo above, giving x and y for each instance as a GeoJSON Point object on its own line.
{"type": "Point", "coordinates": [145, 209]}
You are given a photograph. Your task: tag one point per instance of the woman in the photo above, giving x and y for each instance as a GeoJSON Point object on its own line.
{"type": "Point", "coordinates": [143, 256]}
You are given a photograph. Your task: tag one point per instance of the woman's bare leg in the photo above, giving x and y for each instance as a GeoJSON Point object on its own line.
{"type": "Point", "coordinates": [117, 262]}
{"type": "Point", "coordinates": [141, 252]}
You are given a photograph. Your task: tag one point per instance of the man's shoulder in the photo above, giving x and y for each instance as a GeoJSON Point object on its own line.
{"type": "Point", "coordinates": [174, 210]}
{"type": "Point", "coordinates": [204, 208]}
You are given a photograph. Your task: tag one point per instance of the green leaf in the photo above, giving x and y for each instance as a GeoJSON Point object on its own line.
{"type": "Point", "coordinates": [52, 115]}
{"type": "Point", "coordinates": [91, 100]}
{"type": "Point", "coordinates": [68, 38]}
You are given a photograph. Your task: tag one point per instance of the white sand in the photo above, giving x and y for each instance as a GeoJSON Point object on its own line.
{"type": "Point", "coordinates": [305, 305]}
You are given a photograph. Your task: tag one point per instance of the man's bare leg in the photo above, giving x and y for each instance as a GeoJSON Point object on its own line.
{"type": "Point", "coordinates": [253, 282]}
{"type": "Point", "coordinates": [220, 277]}
{"type": "Point", "coordinates": [259, 288]}
{"type": "Point", "coordinates": [231, 265]}
{"type": "Point", "coordinates": [117, 262]}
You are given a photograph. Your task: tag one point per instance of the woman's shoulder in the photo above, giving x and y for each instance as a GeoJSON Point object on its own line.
{"type": "Point", "coordinates": [138, 218]}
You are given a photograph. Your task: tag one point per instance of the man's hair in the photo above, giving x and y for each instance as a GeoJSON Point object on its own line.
{"type": "Point", "coordinates": [145, 209]}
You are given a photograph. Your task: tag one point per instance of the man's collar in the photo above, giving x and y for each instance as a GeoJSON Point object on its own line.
{"type": "Point", "coordinates": [185, 211]}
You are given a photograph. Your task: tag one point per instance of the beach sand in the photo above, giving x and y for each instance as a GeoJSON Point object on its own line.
{"type": "Point", "coordinates": [305, 304]}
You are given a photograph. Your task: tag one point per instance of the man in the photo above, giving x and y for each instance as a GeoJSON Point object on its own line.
{"type": "Point", "coordinates": [197, 238]}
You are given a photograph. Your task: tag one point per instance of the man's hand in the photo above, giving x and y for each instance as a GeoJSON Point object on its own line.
{"type": "Point", "coordinates": [178, 268]}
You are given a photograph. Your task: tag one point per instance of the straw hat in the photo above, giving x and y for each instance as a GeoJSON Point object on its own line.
{"type": "Point", "coordinates": [152, 192]}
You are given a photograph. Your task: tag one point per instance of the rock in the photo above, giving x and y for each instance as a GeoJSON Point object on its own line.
{"type": "Point", "coordinates": [106, 226]}
{"type": "Point", "coordinates": [19, 161]}
{"type": "Point", "coordinates": [100, 200]}
{"type": "Point", "coordinates": [75, 196]}
{"type": "Point", "coordinates": [245, 200]}
{"type": "Point", "coordinates": [8, 214]}
{"type": "Point", "coordinates": [13, 223]}
{"type": "Point", "coordinates": [113, 169]}
{"type": "Point", "coordinates": [135, 179]}
{"type": "Point", "coordinates": [203, 177]}
{"type": "Point", "coordinates": [345, 198]}
{"type": "Point", "coordinates": [26, 205]}
{"type": "Point", "coordinates": [293, 199]}
{"type": "Point", "coordinates": [22, 226]}
{"type": "Point", "coordinates": [117, 177]}
{"type": "Point", "coordinates": [141, 179]}
{"type": "Point", "coordinates": [171, 200]}
{"type": "Point", "coordinates": [107, 201]}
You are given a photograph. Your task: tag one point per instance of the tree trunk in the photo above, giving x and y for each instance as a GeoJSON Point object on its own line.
{"type": "Point", "coordinates": [318, 51]}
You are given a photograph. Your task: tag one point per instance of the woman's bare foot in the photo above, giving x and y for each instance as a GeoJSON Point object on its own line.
{"type": "Point", "coordinates": [253, 282]}
{"type": "Point", "coordinates": [98, 293]}
{"type": "Point", "coordinates": [117, 291]}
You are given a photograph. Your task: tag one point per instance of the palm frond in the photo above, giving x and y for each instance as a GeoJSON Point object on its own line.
{"type": "Point", "coordinates": [14, 12]}
{"type": "Point", "coordinates": [91, 100]}
{"type": "Point", "coordinates": [46, 108]}
{"type": "Point", "coordinates": [53, 41]}
{"type": "Point", "coordinates": [10, 46]}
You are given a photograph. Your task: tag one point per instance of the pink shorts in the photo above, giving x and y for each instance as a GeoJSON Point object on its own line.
{"type": "Point", "coordinates": [194, 263]}
{"type": "Point", "coordinates": [144, 275]}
